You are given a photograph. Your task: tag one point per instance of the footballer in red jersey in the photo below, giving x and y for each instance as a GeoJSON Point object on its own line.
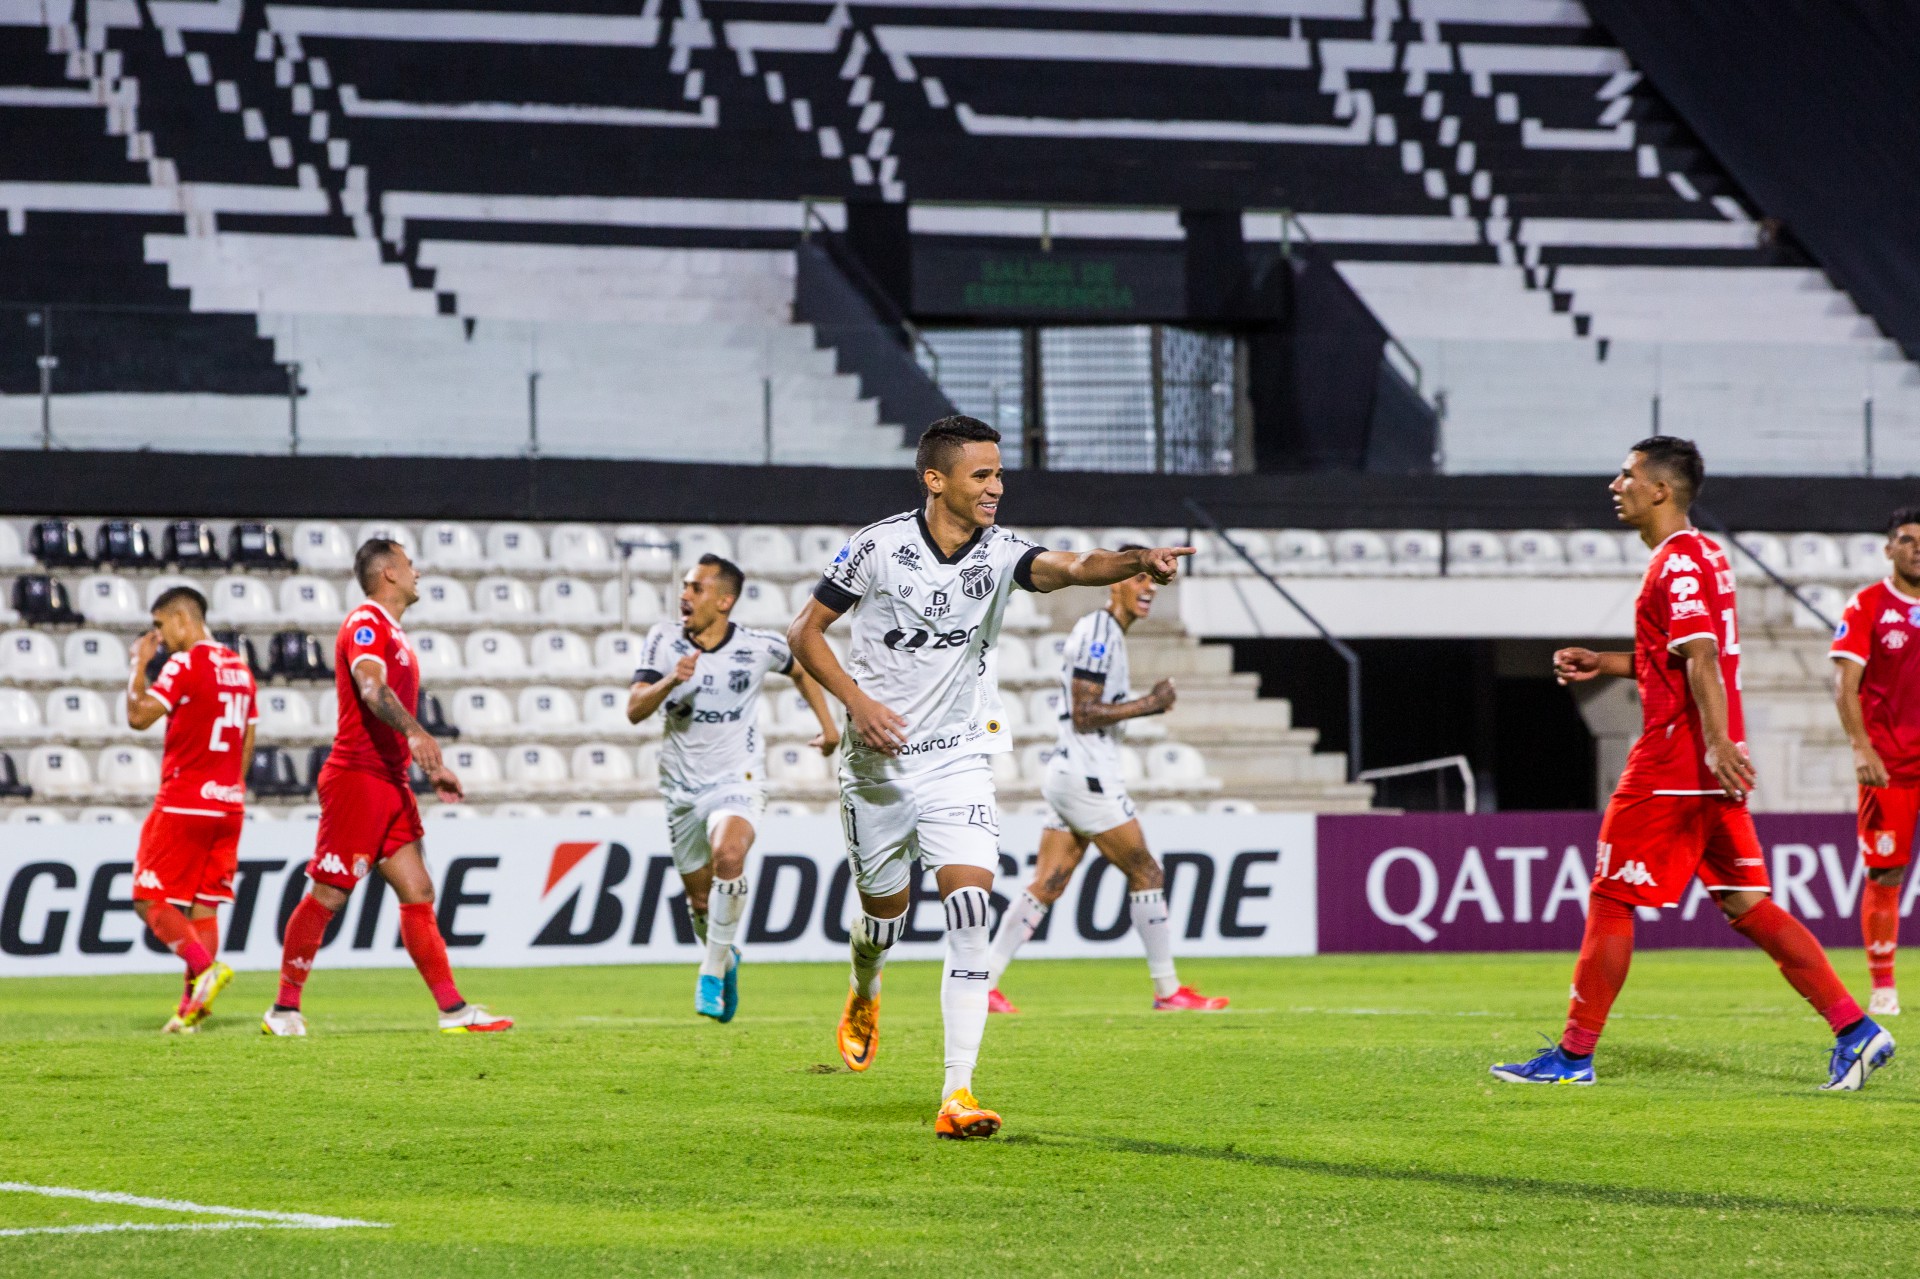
{"type": "Point", "coordinates": [1680, 809]}
{"type": "Point", "coordinates": [190, 843]}
{"type": "Point", "coordinates": [1876, 649]}
{"type": "Point", "coordinates": [368, 817]}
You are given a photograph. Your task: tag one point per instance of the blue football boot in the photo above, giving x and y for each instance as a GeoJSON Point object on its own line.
{"type": "Point", "coordinates": [1856, 1055]}
{"type": "Point", "coordinates": [1548, 1066]}
{"type": "Point", "coordinates": [710, 999]}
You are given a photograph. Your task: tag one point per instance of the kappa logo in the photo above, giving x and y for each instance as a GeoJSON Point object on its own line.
{"type": "Point", "coordinates": [1882, 947]}
{"type": "Point", "coordinates": [331, 864]}
{"type": "Point", "coordinates": [1892, 618]}
{"type": "Point", "coordinates": [1632, 872]}
{"type": "Point", "coordinates": [1680, 564]}
{"type": "Point", "coordinates": [147, 879]}
{"type": "Point", "coordinates": [976, 581]}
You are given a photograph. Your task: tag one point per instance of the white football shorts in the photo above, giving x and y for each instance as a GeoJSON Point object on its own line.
{"type": "Point", "coordinates": [945, 816]}
{"type": "Point", "coordinates": [1085, 806]}
{"type": "Point", "coordinates": [693, 816]}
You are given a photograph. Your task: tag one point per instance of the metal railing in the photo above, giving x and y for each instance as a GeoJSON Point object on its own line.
{"type": "Point", "coordinates": [1704, 516]}
{"type": "Point", "coordinates": [1458, 762]}
{"type": "Point", "coordinates": [1339, 646]}
{"type": "Point", "coordinates": [1291, 227]}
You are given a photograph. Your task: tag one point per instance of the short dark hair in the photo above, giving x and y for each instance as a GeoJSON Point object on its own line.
{"type": "Point", "coordinates": [942, 442]}
{"type": "Point", "coordinates": [726, 570]}
{"type": "Point", "coordinates": [1679, 458]}
{"type": "Point", "coordinates": [180, 595]}
{"type": "Point", "coordinates": [1905, 515]}
{"type": "Point", "coordinates": [370, 559]}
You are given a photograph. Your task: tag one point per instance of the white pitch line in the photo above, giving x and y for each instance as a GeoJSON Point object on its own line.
{"type": "Point", "coordinates": [250, 1216]}
{"type": "Point", "coordinates": [103, 1227]}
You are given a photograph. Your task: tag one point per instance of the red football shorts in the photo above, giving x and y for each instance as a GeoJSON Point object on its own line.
{"type": "Point", "coordinates": [1886, 820]}
{"type": "Point", "coordinates": [1652, 845]}
{"type": "Point", "coordinates": [186, 857]}
{"type": "Point", "coordinates": [363, 818]}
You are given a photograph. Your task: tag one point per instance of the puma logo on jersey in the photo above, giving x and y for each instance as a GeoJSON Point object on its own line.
{"type": "Point", "coordinates": [331, 864]}
{"type": "Point", "coordinates": [147, 879]}
{"type": "Point", "coordinates": [1632, 872]}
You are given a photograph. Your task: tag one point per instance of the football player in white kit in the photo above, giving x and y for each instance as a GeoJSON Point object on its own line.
{"type": "Point", "coordinates": [704, 676]}
{"type": "Point", "coordinates": [1089, 797]}
{"type": "Point", "coordinates": [927, 589]}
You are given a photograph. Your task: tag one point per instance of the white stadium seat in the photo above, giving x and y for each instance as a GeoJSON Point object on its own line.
{"type": "Point", "coordinates": [1175, 764]}
{"type": "Point", "coordinates": [450, 545]}
{"type": "Point", "coordinates": [1033, 763]}
{"type": "Point", "coordinates": [439, 654]}
{"type": "Point", "coordinates": [449, 813]}
{"type": "Point", "coordinates": [1132, 771]}
{"type": "Point", "coordinates": [1816, 556]}
{"type": "Point", "coordinates": [1768, 548]}
{"type": "Point", "coordinates": [1231, 808]}
{"type": "Point", "coordinates": [515, 546]}
{"type": "Point", "coordinates": [602, 766]}
{"type": "Point", "coordinates": [569, 599]}
{"type": "Point", "coordinates": [644, 607]}
{"type": "Point", "coordinates": [799, 593]}
{"type": "Point", "coordinates": [1829, 599]}
{"type": "Point", "coordinates": [1255, 542]}
{"type": "Point", "coordinates": [59, 772]}
{"type": "Point", "coordinates": [522, 811]}
{"type": "Point", "coordinates": [560, 653]}
{"type": "Point", "coordinates": [476, 766]}
{"type": "Point", "coordinates": [1071, 540]}
{"type": "Point", "coordinates": [95, 655]}
{"type": "Point", "coordinates": [241, 601]}
{"type": "Point", "coordinates": [495, 653]}
{"type": "Point", "coordinates": [1050, 653]}
{"type": "Point", "coordinates": [503, 599]}
{"type": "Point", "coordinates": [617, 653]}
{"type": "Point", "coordinates": [1634, 553]}
{"type": "Point", "coordinates": [441, 600]}
{"type": "Point", "coordinates": [1866, 554]}
{"type": "Point", "coordinates": [1361, 553]}
{"type": "Point", "coordinates": [1013, 719]}
{"type": "Point", "coordinates": [789, 808]}
{"type": "Point", "coordinates": [12, 554]}
{"type": "Point", "coordinates": [29, 655]}
{"type": "Point", "coordinates": [19, 714]}
{"type": "Point", "coordinates": [106, 816]}
{"type": "Point", "coordinates": [129, 770]}
{"type": "Point", "coordinates": [1168, 808]}
{"type": "Point", "coordinates": [1115, 538]}
{"type": "Point", "coordinates": [536, 766]}
{"type": "Point", "coordinates": [106, 599]}
{"type": "Point", "coordinates": [1043, 707]}
{"type": "Point", "coordinates": [304, 813]}
{"type": "Point", "coordinates": [818, 544]}
{"type": "Point", "coordinates": [1536, 551]}
{"type": "Point", "coordinates": [37, 815]}
{"type": "Point", "coordinates": [603, 708]}
{"type": "Point", "coordinates": [543, 707]}
{"type": "Point", "coordinates": [311, 600]}
{"type": "Point", "coordinates": [321, 546]}
{"type": "Point", "coordinates": [1031, 807]}
{"type": "Point", "coordinates": [480, 711]}
{"type": "Point", "coordinates": [580, 548]}
{"type": "Point", "coordinates": [77, 712]}
{"type": "Point", "coordinates": [255, 813]}
{"type": "Point", "coordinates": [326, 709]}
{"type": "Point", "coordinates": [1594, 551]}
{"type": "Point", "coordinates": [392, 531]}
{"type": "Point", "coordinates": [587, 808]}
{"type": "Point", "coordinates": [648, 551]}
{"type": "Point", "coordinates": [1022, 613]}
{"type": "Point", "coordinates": [792, 714]}
{"type": "Point", "coordinates": [1472, 552]}
{"type": "Point", "coordinates": [652, 811]}
{"type": "Point", "coordinates": [1416, 552]}
{"type": "Point", "coordinates": [762, 604]}
{"type": "Point", "coordinates": [700, 539]}
{"type": "Point", "coordinates": [1301, 551]}
{"type": "Point", "coordinates": [767, 552]}
{"type": "Point", "coordinates": [164, 582]}
{"type": "Point", "coordinates": [284, 711]}
{"type": "Point", "coordinates": [798, 765]}
{"type": "Point", "coordinates": [1013, 658]}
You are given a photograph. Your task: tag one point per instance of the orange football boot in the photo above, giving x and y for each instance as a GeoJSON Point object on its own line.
{"type": "Point", "coordinates": [1188, 998]}
{"type": "Point", "coordinates": [963, 1118]}
{"type": "Point", "coordinates": [859, 1033]}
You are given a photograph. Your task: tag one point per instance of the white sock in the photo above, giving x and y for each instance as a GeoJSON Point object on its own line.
{"type": "Point", "coordinates": [1016, 929]}
{"type": "Point", "coordinates": [726, 904]}
{"type": "Point", "coordinates": [1149, 911]}
{"type": "Point", "coordinates": [699, 918]}
{"type": "Point", "coordinates": [869, 945]}
{"type": "Point", "coordinates": [963, 984]}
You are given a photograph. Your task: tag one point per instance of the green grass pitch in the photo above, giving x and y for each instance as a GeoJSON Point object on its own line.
{"type": "Point", "coordinates": [1339, 1120]}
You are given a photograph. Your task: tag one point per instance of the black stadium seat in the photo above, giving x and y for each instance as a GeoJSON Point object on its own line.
{"type": "Point", "coordinates": [11, 787]}
{"type": "Point", "coordinates": [418, 780]}
{"type": "Point", "coordinates": [190, 544]}
{"type": "Point", "coordinates": [124, 544]}
{"type": "Point", "coordinates": [296, 655]}
{"type": "Point", "coordinates": [275, 776]}
{"type": "Point", "coordinates": [433, 717]}
{"type": "Point", "coordinates": [244, 647]}
{"type": "Point", "coordinates": [43, 602]}
{"type": "Point", "coordinates": [316, 760]}
{"type": "Point", "coordinates": [258, 546]}
{"type": "Point", "coordinates": [59, 544]}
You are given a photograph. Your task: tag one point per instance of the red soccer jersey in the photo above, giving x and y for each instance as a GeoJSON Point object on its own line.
{"type": "Point", "coordinates": [209, 696]}
{"type": "Point", "coordinates": [1881, 631]}
{"type": "Point", "coordinates": [1686, 594]}
{"type": "Point", "coordinates": [361, 742]}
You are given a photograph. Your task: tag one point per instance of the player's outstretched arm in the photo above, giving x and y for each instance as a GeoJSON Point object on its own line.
{"type": "Point", "coordinates": [828, 740]}
{"type": "Point", "coordinates": [1052, 570]}
{"type": "Point", "coordinates": [1090, 714]}
{"type": "Point", "coordinates": [646, 698]}
{"type": "Point", "coordinates": [143, 709]}
{"type": "Point", "coordinates": [877, 725]}
{"type": "Point", "coordinates": [1868, 768]}
{"type": "Point", "coordinates": [1729, 762]}
{"type": "Point", "coordinates": [370, 681]}
{"type": "Point", "coordinates": [1576, 665]}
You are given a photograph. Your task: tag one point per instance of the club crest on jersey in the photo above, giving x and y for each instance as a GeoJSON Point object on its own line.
{"type": "Point", "coordinates": [976, 581]}
{"type": "Point", "coordinates": [363, 635]}
{"type": "Point", "coordinates": [738, 681]}
{"type": "Point", "coordinates": [1895, 640]}
{"type": "Point", "coordinates": [907, 557]}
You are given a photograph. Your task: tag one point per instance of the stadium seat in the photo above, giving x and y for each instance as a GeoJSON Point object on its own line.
{"type": "Point", "coordinates": [311, 601]}
{"type": "Point", "coordinates": [441, 600]}
{"type": "Point", "coordinates": [492, 652]}
{"type": "Point", "coordinates": [766, 552]}
{"type": "Point", "coordinates": [617, 653]}
{"type": "Point", "coordinates": [107, 816]}
{"type": "Point", "coordinates": [477, 767]}
{"type": "Point", "coordinates": [700, 539]}
{"type": "Point", "coordinates": [12, 554]}
{"type": "Point", "coordinates": [515, 546]}
{"type": "Point", "coordinates": [1022, 613]}
{"type": "Point", "coordinates": [433, 716]}
{"type": "Point", "coordinates": [190, 545]}
{"type": "Point", "coordinates": [95, 655]}
{"type": "Point", "coordinates": [1050, 653]}
{"type": "Point", "coordinates": [1866, 554]}
{"type": "Point", "coordinates": [1829, 599]}
{"type": "Point", "coordinates": [788, 808]}
{"type": "Point", "coordinates": [284, 712]}
{"type": "Point", "coordinates": [544, 708]}
{"type": "Point", "coordinates": [815, 548]}
{"type": "Point", "coordinates": [11, 787]}
{"type": "Point", "coordinates": [1416, 552]}
{"type": "Point", "coordinates": [1033, 763]}
{"type": "Point", "coordinates": [326, 708]}
{"type": "Point", "coordinates": [586, 808]}
{"type": "Point", "coordinates": [569, 599]}
{"type": "Point", "coordinates": [799, 593]}
{"type": "Point", "coordinates": [519, 810]}
{"type": "Point", "coordinates": [1227, 562]}
{"type": "Point", "coordinates": [791, 714]}
{"type": "Point", "coordinates": [392, 531]}
{"type": "Point", "coordinates": [303, 813]}
{"type": "Point", "coordinates": [1360, 553]}
{"type": "Point", "coordinates": [42, 601]}
{"type": "Point", "coordinates": [603, 708]}
{"type": "Point", "coordinates": [645, 549]}
{"type": "Point", "coordinates": [37, 815]}
{"type": "Point", "coordinates": [503, 599]}
{"type": "Point", "coordinates": [646, 768]}
{"type": "Point", "coordinates": [241, 601]}
{"type": "Point", "coordinates": [1471, 552]}
{"type": "Point", "coordinates": [1634, 553]}
{"type": "Point", "coordinates": [78, 712]}
{"type": "Point", "coordinates": [439, 654]}
{"type": "Point", "coordinates": [1044, 706]}
{"type": "Point", "coordinates": [296, 655]}
{"type": "Point", "coordinates": [123, 544]}
{"type": "Point", "coordinates": [1301, 552]}
{"type": "Point", "coordinates": [764, 605]}
{"type": "Point", "coordinates": [560, 653]}
{"type": "Point", "coordinates": [58, 544]}
{"type": "Point", "coordinates": [321, 546]}
{"type": "Point", "coordinates": [580, 548]}
{"type": "Point", "coordinates": [1071, 540]}
{"type": "Point", "coordinates": [160, 584]}
{"type": "Point", "coordinates": [536, 766]}
{"type": "Point", "coordinates": [1769, 549]}
{"type": "Point", "coordinates": [451, 813]}
{"type": "Point", "coordinates": [20, 716]}
{"type": "Point", "coordinates": [242, 647]}
{"type": "Point", "coordinates": [485, 712]}
{"type": "Point", "coordinates": [257, 545]}
{"type": "Point", "coordinates": [1168, 808]}
{"type": "Point", "coordinates": [1536, 552]}
{"type": "Point", "coordinates": [29, 655]}
{"type": "Point", "coordinates": [274, 776]}
{"type": "Point", "coordinates": [1815, 557]}
{"type": "Point", "coordinates": [1232, 808]}
{"type": "Point", "coordinates": [644, 607]}
{"type": "Point", "coordinates": [260, 813]}
{"type": "Point", "coordinates": [1174, 764]}
{"type": "Point", "coordinates": [602, 766]}
{"type": "Point", "coordinates": [1115, 538]}
{"type": "Point", "coordinates": [1013, 658]}
{"type": "Point", "coordinates": [798, 765]}
{"type": "Point", "coordinates": [1013, 719]}
{"type": "Point", "coordinates": [1592, 551]}
{"type": "Point", "coordinates": [59, 772]}
{"type": "Point", "coordinates": [448, 545]}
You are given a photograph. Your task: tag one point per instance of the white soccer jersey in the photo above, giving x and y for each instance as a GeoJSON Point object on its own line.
{"type": "Point", "coordinates": [922, 627]}
{"type": "Point", "coordinates": [1096, 650]}
{"type": "Point", "coordinates": [712, 722]}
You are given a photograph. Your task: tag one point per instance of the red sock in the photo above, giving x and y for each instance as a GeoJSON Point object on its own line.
{"type": "Point", "coordinates": [174, 929]}
{"type": "Point", "coordinates": [421, 933]}
{"type": "Point", "coordinates": [1802, 962]}
{"type": "Point", "coordinates": [1880, 927]}
{"type": "Point", "coordinates": [207, 929]}
{"type": "Point", "coordinates": [306, 929]}
{"type": "Point", "coordinates": [1606, 951]}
